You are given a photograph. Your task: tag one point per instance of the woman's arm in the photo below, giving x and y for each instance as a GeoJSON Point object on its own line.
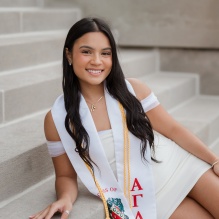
{"type": "Point", "coordinates": [163, 123]}
{"type": "Point", "coordinates": [66, 178]}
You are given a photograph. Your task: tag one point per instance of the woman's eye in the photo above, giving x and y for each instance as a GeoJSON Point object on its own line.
{"type": "Point", "coordinates": [86, 52]}
{"type": "Point", "coordinates": [106, 53]}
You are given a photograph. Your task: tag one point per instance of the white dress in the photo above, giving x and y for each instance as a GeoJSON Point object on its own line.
{"type": "Point", "coordinates": [174, 177]}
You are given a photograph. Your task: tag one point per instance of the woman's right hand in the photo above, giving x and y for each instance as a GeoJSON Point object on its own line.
{"type": "Point", "coordinates": [63, 206]}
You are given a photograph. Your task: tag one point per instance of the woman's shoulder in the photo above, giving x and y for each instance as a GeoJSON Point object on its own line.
{"type": "Point", "coordinates": [50, 130]}
{"type": "Point", "coordinates": [140, 88]}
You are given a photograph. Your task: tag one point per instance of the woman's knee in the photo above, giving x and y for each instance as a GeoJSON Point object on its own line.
{"type": "Point", "coordinates": [206, 192]}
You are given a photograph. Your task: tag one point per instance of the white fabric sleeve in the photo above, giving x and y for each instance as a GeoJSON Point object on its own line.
{"type": "Point", "coordinates": [55, 148]}
{"type": "Point", "coordinates": [149, 102]}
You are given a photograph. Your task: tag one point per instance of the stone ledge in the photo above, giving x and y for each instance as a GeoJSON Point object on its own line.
{"type": "Point", "coordinates": [18, 3]}
{"type": "Point", "coordinates": [172, 89]}
{"type": "Point", "coordinates": [86, 206]}
{"type": "Point", "coordinates": [201, 109]}
{"type": "Point", "coordinates": [16, 20]}
{"type": "Point", "coordinates": [38, 49]}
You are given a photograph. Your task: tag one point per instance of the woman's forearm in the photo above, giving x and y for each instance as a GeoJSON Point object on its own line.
{"type": "Point", "coordinates": [163, 123]}
{"type": "Point", "coordinates": [66, 188]}
{"type": "Point", "coordinates": [192, 144]}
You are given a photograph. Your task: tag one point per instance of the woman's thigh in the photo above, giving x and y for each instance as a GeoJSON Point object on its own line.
{"type": "Point", "coordinates": [206, 192]}
{"type": "Point", "coordinates": [188, 209]}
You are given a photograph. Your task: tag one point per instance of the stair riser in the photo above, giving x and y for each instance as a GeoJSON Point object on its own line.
{"type": "Point", "coordinates": [18, 3]}
{"type": "Point", "coordinates": [35, 97]}
{"type": "Point", "coordinates": [1, 107]}
{"type": "Point", "coordinates": [30, 21]}
{"type": "Point", "coordinates": [203, 111]}
{"type": "Point", "coordinates": [140, 67]}
{"type": "Point", "coordinates": [54, 20]}
{"type": "Point", "coordinates": [30, 53]}
{"type": "Point", "coordinates": [214, 130]}
{"type": "Point", "coordinates": [10, 23]}
{"type": "Point", "coordinates": [30, 99]}
{"type": "Point", "coordinates": [24, 171]}
{"type": "Point", "coordinates": [171, 96]}
{"type": "Point", "coordinates": [174, 96]}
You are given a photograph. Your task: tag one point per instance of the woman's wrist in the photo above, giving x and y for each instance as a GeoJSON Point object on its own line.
{"type": "Point", "coordinates": [216, 162]}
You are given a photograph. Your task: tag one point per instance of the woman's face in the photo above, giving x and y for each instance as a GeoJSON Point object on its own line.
{"type": "Point", "coordinates": [91, 58]}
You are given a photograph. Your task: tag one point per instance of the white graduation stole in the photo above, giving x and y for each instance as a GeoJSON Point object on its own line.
{"type": "Point", "coordinates": [139, 186]}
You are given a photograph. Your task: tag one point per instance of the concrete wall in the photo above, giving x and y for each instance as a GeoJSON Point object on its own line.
{"type": "Point", "coordinates": [186, 32]}
{"type": "Point", "coordinates": [163, 23]}
{"type": "Point", "coordinates": [203, 62]}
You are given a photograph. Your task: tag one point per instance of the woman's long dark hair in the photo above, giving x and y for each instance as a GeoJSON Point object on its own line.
{"type": "Point", "coordinates": [137, 123]}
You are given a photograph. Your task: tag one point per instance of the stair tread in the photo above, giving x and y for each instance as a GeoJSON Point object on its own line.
{"type": "Point", "coordinates": [129, 54]}
{"type": "Point", "coordinates": [161, 81]}
{"type": "Point", "coordinates": [36, 9]}
{"type": "Point", "coordinates": [18, 137]}
{"type": "Point", "coordinates": [44, 194]}
{"type": "Point", "coordinates": [19, 38]}
{"type": "Point", "coordinates": [201, 108]}
{"type": "Point", "coordinates": [18, 3]}
{"type": "Point", "coordinates": [26, 134]}
{"type": "Point", "coordinates": [33, 75]}
{"type": "Point", "coordinates": [37, 74]}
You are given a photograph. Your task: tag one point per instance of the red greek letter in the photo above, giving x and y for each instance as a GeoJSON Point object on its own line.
{"type": "Point", "coordinates": [135, 200]}
{"type": "Point", "coordinates": [138, 215]}
{"type": "Point", "coordinates": [136, 184]}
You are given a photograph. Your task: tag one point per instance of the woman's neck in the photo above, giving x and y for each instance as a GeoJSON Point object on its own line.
{"type": "Point", "coordinates": [92, 93]}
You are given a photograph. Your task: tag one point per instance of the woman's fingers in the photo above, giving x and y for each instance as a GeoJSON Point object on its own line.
{"type": "Point", "coordinates": [65, 214]}
{"type": "Point", "coordinates": [53, 209]}
{"type": "Point", "coordinates": [46, 213]}
{"type": "Point", "coordinates": [59, 206]}
{"type": "Point", "coordinates": [36, 214]}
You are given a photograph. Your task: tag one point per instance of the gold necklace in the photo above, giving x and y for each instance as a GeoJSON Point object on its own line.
{"type": "Point", "coordinates": [93, 105]}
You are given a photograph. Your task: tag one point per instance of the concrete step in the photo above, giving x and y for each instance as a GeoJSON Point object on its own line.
{"type": "Point", "coordinates": [44, 194]}
{"type": "Point", "coordinates": [25, 50]}
{"type": "Point", "coordinates": [17, 20]}
{"type": "Point", "coordinates": [28, 91]}
{"type": "Point", "coordinates": [172, 89]}
{"type": "Point", "coordinates": [24, 159]}
{"type": "Point", "coordinates": [138, 62]}
{"type": "Point", "coordinates": [18, 3]}
{"type": "Point", "coordinates": [24, 138]}
{"type": "Point", "coordinates": [44, 83]}
{"type": "Point", "coordinates": [203, 112]}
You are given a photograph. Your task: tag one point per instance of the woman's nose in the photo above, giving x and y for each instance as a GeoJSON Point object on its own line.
{"type": "Point", "coordinates": [96, 60]}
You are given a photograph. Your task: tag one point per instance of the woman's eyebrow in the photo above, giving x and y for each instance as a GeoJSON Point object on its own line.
{"type": "Point", "coordinates": [108, 48]}
{"type": "Point", "coordinates": [88, 47]}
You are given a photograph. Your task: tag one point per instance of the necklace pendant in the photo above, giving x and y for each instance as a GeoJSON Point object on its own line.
{"type": "Point", "coordinates": [92, 108]}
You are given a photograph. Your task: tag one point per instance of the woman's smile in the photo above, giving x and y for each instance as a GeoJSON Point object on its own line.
{"type": "Point", "coordinates": [95, 72]}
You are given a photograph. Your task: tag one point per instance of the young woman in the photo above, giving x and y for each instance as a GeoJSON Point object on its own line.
{"type": "Point", "coordinates": [103, 129]}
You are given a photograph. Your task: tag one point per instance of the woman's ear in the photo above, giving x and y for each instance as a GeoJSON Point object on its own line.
{"type": "Point", "coordinates": [68, 56]}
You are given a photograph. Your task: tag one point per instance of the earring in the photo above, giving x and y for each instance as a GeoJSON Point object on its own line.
{"type": "Point", "coordinates": [69, 63]}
